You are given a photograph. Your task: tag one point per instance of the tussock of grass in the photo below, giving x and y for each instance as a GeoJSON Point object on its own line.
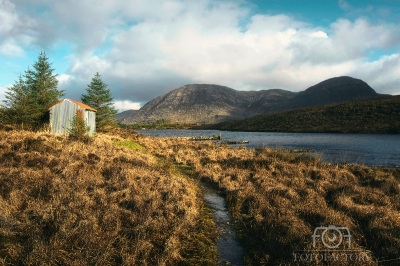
{"type": "Point", "coordinates": [64, 202]}
{"type": "Point", "coordinates": [279, 198]}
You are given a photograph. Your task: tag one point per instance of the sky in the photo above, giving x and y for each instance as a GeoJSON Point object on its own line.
{"type": "Point", "coordinates": [145, 48]}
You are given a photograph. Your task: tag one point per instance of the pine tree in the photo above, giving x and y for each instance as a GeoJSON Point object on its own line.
{"type": "Point", "coordinates": [99, 97]}
{"type": "Point", "coordinates": [29, 99]}
{"type": "Point", "coordinates": [19, 104]}
{"type": "Point", "coordinates": [42, 83]}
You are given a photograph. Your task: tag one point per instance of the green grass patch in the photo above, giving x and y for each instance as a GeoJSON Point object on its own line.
{"type": "Point", "coordinates": [185, 169]}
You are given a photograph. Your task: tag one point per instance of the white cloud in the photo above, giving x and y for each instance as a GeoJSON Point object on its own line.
{"type": "Point", "coordinates": [21, 29]}
{"type": "Point", "coordinates": [86, 67]}
{"type": "Point", "coordinates": [126, 105]}
{"type": "Point", "coordinates": [3, 93]}
{"type": "Point", "coordinates": [301, 55]}
{"type": "Point", "coordinates": [11, 50]}
{"type": "Point", "coordinates": [142, 51]}
{"type": "Point", "coordinates": [8, 16]}
{"type": "Point", "coordinates": [383, 73]}
{"type": "Point", "coordinates": [64, 79]}
{"type": "Point", "coordinates": [319, 34]}
{"type": "Point", "coordinates": [361, 35]}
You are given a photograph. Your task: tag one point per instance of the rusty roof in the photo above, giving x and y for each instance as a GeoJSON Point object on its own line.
{"type": "Point", "coordinates": [77, 103]}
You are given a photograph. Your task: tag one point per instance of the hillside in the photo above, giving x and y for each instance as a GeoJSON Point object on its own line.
{"type": "Point", "coordinates": [125, 114]}
{"type": "Point", "coordinates": [334, 90]}
{"type": "Point", "coordinates": [206, 103]}
{"type": "Point", "coordinates": [376, 115]}
{"type": "Point", "coordinates": [209, 104]}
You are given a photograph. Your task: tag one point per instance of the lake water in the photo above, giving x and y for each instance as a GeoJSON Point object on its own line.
{"type": "Point", "coordinates": [366, 149]}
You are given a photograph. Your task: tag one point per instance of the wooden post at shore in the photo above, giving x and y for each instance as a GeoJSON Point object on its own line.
{"type": "Point", "coordinates": [216, 137]}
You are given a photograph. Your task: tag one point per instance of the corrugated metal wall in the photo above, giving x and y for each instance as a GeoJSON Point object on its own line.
{"type": "Point", "coordinates": [62, 114]}
{"type": "Point", "coordinates": [90, 119]}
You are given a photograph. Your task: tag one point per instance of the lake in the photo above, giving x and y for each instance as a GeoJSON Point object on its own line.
{"type": "Point", "coordinates": [366, 149]}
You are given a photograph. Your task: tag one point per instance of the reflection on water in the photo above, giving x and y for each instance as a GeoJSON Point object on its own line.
{"type": "Point", "coordinates": [367, 149]}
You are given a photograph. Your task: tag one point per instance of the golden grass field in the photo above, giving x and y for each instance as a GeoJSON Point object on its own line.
{"type": "Point", "coordinates": [69, 203]}
{"type": "Point", "coordinates": [120, 199]}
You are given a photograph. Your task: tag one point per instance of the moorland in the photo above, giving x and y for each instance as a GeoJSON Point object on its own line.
{"type": "Point", "coordinates": [119, 198]}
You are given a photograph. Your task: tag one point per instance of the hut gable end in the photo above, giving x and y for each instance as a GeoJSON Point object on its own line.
{"type": "Point", "coordinates": [62, 113]}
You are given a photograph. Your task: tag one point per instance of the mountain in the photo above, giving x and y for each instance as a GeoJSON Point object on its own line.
{"type": "Point", "coordinates": [208, 103]}
{"type": "Point", "coordinates": [124, 115]}
{"type": "Point", "coordinates": [374, 115]}
{"type": "Point", "coordinates": [334, 90]}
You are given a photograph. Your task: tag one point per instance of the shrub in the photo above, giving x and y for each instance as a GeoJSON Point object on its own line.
{"type": "Point", "coordinates": [78, 129]}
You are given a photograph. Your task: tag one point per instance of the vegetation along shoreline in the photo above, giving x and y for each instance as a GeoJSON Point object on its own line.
{"type": "Point", "coordinates": [379, 115]}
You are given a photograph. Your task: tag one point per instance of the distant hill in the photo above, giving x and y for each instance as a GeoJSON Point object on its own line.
{"type": "Point", "coordinates": [213, 103]}
{"type": "Point", "coordinates": [125, 114]}
{"type": "Point", "coordinates": [208, 103]}
{"type": "Point", "coordinates": [334, 90]}
{"type": "Point", "coordinates": [376, 115]}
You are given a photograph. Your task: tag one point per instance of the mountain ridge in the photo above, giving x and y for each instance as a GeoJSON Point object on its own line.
{"type": "Point", "coordinates": [333, 90]}
{"type": "Point", "coordinates": [209, 103]}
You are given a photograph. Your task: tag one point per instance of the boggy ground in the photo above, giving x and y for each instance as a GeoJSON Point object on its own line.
{"type": "Point", "coordinates": [279, 199]}
{"type": "Point", "coordinates": [116, 200]}
{"type": "Point", "coordinates": [65, 202]}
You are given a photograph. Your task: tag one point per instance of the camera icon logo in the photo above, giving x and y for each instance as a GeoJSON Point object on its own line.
{"type": "Point", "coordinates": [331, 236]}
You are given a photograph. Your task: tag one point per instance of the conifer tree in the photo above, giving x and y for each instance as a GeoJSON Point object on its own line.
{"type": "Point", "coordinates": [42, 83]}
{"type": "Point", "coordinates": [99, 97]}
{"type": "Point", "coordinates": [29, 99]}
{"type": "Point", "coordinates": [19, 104]}
{"type": "Point", "coordinates": [2, 114]}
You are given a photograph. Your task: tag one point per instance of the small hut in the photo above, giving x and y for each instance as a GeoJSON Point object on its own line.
{"type": "Point", "coordinates": [62, 113]}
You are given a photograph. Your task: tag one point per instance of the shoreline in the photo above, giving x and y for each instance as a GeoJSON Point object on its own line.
{"type": "Point", "coordinates": [258, 131]}
{"type": "Point", "coordinates": [331, 147]}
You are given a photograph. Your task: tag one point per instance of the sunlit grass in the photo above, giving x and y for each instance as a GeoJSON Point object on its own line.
{"type": "Point", "coordinates": [65, 202]}
{"type": "Point", "coordinates": [278, 198]}
{"type": "Point", "coordinates": [129, 199]}
{"type": "Point", "coordinates": [130, 144]}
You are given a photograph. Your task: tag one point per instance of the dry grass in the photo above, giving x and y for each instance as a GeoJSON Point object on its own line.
{"type": "Point", "coordinates": [70, 203]}
{"type": "Point", "coordinates": [64, 202]}
{"type": "Point", "coordinates": [279, 198]}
